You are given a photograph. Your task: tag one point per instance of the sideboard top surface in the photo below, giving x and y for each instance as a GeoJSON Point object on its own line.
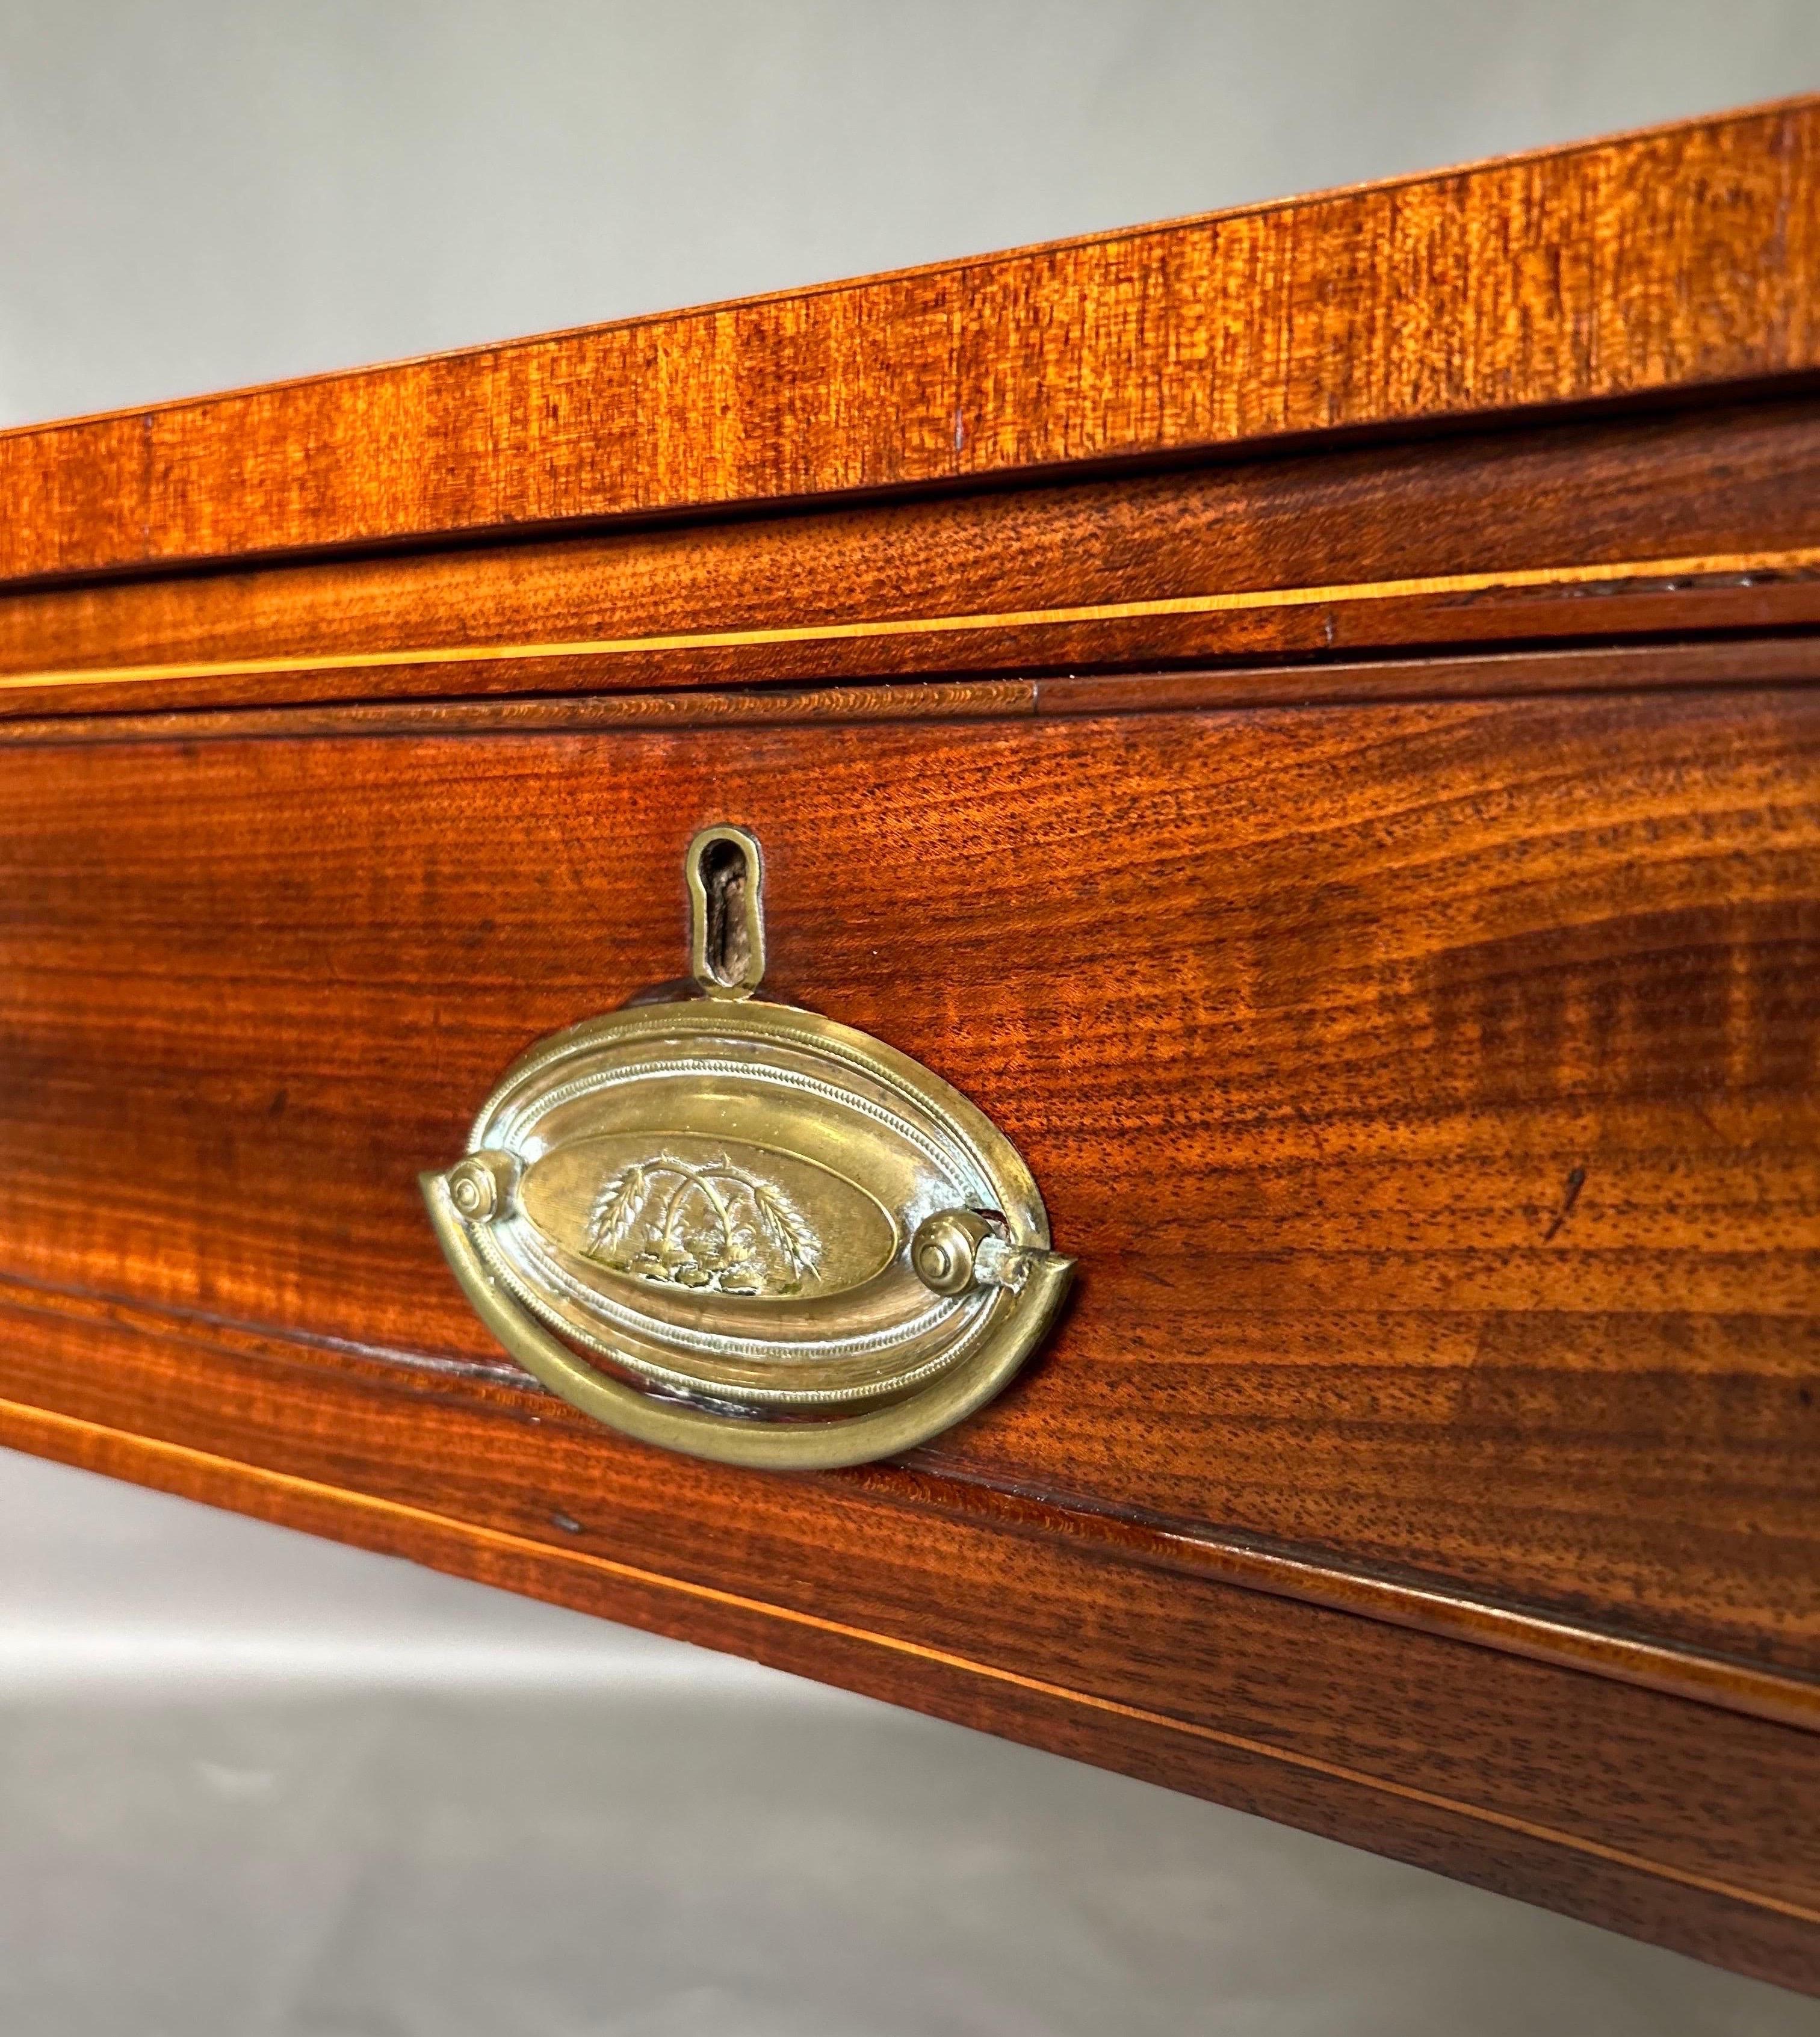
{"type": "Point", "coordinates": [1684, 257]}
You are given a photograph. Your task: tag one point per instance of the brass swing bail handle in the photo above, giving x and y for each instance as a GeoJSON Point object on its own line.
{"type": "Point", "coordinates": [742, 1230]}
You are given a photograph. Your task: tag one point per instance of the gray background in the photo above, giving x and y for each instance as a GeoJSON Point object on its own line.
{"type": "Point", "coordinates": [252, 1784]}
{"type": "Point", "coordinates": [193, 195]}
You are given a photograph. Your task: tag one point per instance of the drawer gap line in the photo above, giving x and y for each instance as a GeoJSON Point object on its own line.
{"type": "Point", "coordinates": [1590, 573]}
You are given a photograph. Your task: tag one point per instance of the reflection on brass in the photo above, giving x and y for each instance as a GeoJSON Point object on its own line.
{"type": "Point", "coordinates": [741, 1230]}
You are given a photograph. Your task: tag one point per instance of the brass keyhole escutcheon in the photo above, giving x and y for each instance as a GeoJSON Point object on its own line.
{"type": "Point", "coordinates": [724, 870]}
{"type": "Point", "coordinates": [741, 1230]}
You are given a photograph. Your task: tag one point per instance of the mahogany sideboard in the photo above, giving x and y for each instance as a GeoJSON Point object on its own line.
{"type": "Point", "coordinates": [1306, 717]}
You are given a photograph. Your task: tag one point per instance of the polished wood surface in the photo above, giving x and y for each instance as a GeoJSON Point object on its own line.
{"type": "Point", "coordinates": [1615, 667]}
{"type": "Point", "coordinates": [1346, 798]}
{"type": "Point", "coordinates": [1425, 1090]}
{"type": "Point", "coordinates": [1688, 258]}
{"type": "Point", "coordinates": [1692, 522]}
{"type": "Point", "coordinates": [1680, 1822]}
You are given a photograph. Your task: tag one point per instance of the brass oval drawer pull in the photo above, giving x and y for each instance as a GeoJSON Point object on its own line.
{"type": "Point", "coordinates": [741, 1230]}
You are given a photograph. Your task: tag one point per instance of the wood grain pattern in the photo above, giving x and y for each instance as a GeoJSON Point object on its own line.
{"type": "Point", "coordinates": [1682, 259]}
{"type": "Point", "coordinates": [1704, 663]}
{"type": "Point", "coordinates": [1308, 716]}
{"type": "Point", "coordinates": [1398, 1597]}
{"type": "Point", "coordinates": [1688, 1826]}
{"type": "Point", "coordinates": [1353, 996]}
{"type": "Point", "coordinates": [1415, 532]}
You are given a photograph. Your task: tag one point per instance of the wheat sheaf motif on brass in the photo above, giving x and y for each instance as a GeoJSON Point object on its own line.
{"type": "Point", "coordinates": [682, 1223]}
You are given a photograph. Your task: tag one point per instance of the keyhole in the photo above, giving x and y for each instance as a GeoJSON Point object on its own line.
{"type": "Point", "coordinates": [726, 876]}
{"type": "Point", "coordinates": [727, 948]}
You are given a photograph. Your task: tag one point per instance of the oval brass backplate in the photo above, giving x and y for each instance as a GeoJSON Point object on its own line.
{"type": "Point", "coordinates": [742, 1230]}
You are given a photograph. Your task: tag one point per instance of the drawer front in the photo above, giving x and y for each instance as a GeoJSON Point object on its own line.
{"type": "Point", "coordinates": [1425, 1090]}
